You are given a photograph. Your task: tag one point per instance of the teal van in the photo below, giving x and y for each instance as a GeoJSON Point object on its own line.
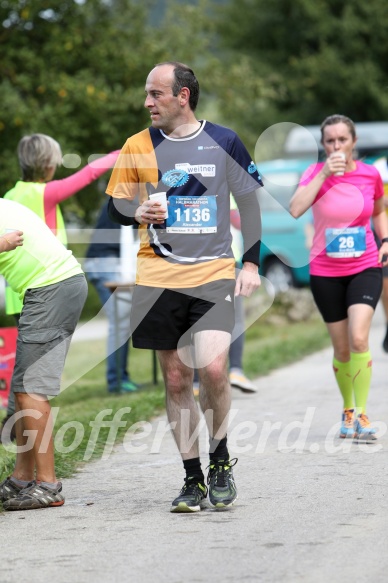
{"type": "Point", "coordinates": [286, 242]}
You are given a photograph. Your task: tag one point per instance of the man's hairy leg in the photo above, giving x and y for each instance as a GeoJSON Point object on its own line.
{"type": "Point", "coordinates": [212, 351]}
{"type": "Point", "coordinates": [182, 410]}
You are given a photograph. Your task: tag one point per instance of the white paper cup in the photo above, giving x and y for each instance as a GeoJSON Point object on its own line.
{"type": "Point", "coordinates": [9, 231]}
{"type": "Point", "coordinates": [339, 155]}
{"type": "Point", "coordinates": [161, 197]}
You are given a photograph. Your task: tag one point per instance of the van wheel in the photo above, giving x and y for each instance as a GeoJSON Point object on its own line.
{"type": "Point", "coordinates": [279, 275]}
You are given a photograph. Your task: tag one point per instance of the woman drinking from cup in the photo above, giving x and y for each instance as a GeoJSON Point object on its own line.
{"type": "Point", "coordinates": [345, 263]}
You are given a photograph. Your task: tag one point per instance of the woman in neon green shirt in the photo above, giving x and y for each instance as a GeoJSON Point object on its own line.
{"type": "Point", "coordinates": [53, 288]}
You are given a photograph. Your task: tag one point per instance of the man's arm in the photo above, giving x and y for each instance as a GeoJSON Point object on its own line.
{"type": "Point", "coordinates": [122, 211]}
{"type": "Point", "coordinates": [248, 279]}
{"type": "Point", "coordinates": [249, 208]}
{"type": "Point", "coordinates": [128, 212]}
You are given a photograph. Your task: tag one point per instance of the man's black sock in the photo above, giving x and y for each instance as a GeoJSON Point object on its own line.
{"type": "Point", "coordinates": [193, 469]}
{"type": "Point", "coordinates": [219, 449]}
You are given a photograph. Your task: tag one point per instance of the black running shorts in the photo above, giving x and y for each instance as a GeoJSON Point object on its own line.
{"type": "Point", "coordinates": [334, 295]}
{"type": "Point", "coordinates": [160, 317]}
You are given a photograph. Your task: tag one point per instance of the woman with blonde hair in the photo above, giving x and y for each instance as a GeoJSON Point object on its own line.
{"type": "Point", "coordinates": [345, 194]}
{"type": "Point", "coordinates": [39, 157]}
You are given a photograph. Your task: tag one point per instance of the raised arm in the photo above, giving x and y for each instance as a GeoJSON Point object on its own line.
{"type": "Point", "coordinates": [58, 190]}
{"type": "Point", "coordinates": [305, 194]}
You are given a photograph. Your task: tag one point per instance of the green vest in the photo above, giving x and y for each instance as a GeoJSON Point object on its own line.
{"type": "Point", "coordinates": [42, 260]}
{"type": "Point", "coordinates": [31, 195]}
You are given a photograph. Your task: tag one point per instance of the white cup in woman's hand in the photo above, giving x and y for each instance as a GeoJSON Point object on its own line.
{"type": "Point", "coordinates": [341, 156]}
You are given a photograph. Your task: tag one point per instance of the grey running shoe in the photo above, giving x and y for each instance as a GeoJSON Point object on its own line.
{"type": "Point", "coordinates": [36, 496]}
{"type": "Point", "coordinates": [191, 498]}
{"type": "Point", "coordinates": [8, 489]}
{"type": "Point", "coordinates": [222, 487]}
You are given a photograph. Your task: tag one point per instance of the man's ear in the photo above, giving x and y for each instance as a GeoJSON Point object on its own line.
{"type": "Point", "coordinates": [184, 96]}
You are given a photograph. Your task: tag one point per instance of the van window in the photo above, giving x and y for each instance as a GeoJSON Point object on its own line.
{"type": "Point", "coordinates": [278, 189]}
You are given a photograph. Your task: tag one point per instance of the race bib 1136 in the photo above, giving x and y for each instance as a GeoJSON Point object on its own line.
{"type": "Point", "coordinates": [190, 215]}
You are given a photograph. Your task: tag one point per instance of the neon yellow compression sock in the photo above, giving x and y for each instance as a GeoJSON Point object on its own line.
{"type": "Point", "coordinates": [344, 381]}
{"type": "Point", "coordinates": [361, 372]}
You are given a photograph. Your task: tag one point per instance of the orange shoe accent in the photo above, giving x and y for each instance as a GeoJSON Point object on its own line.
{"type": "Point", "coordinates": [347, 426]}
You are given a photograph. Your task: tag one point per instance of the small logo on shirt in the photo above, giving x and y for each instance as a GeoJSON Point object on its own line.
{"type": "Point", "coordinates": [228, 298]}
{"type": "Point", "coordinates": [252, 167]}
{"type": "Point", "coordinates": [175, 178]}
{"type": "Point", "coordinates": [203, 169]}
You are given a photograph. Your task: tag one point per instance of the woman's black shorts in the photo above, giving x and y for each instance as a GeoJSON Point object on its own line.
{"type": "Point", "coordinates": [334, 295]}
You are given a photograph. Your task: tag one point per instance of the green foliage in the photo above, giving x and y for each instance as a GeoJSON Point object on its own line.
{"type": "Point", "coordinates": [312, 58]}
{"type": "Point", "coordinates": [75, 71]}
